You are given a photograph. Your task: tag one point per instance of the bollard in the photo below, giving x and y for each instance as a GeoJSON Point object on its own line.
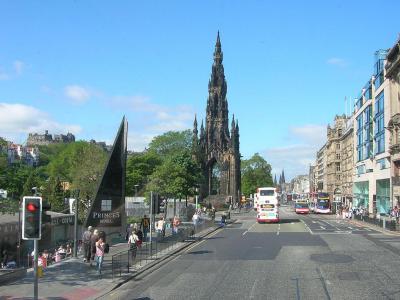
{"type": "Point", "coordinates": [384, 222]}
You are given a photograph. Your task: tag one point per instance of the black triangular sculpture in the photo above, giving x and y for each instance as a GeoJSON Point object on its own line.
{"type": "Point", "coordinates": [108, 207]}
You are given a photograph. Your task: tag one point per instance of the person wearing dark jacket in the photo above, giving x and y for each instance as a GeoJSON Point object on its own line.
{"type": "Point", "coordinates": [86, 238]}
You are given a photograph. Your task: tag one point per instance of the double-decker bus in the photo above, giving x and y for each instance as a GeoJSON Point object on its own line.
{"type": "Point", "coordinates": [301, 207]}
{"type": "Point", "coordinates": [322, 204]}
{"type": "Point", "coordinates": [267, 205]}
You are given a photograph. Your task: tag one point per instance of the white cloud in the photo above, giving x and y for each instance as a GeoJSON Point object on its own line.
{"type": "Point", "coordinates": [76, 93]}
{"type": "Point", "coordinates": [336, 61]}
{"type": "Point", "coordinates": [310, 134]}
{"type": "Point", "coordinates": [18, 67]}
{"type": "Point", "coordinates": [295, 159]}
{"type": "Point", "coordinates": [154, 118]}
{"type": "Point", "coordinates": [139, 141]}
{"type": "Point", "coordinates": [17, 120]}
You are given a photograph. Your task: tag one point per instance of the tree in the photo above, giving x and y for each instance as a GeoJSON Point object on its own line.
{"type": "Point", "coordinates": [139, 167]}
{"type": "Point", "coordinates": [171, 142]}
{"type": "Point", "coordinates": [177, 177]}
{"type": "Point", "coordinates": [256, 172]}
{"type": "Point", "coordinates": [81, 164]}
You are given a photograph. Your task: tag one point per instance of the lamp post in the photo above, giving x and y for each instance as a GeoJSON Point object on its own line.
{"type": "Point", "coordinates": [136, 186]}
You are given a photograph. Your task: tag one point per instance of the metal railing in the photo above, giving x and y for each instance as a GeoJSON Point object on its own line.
{"type": "Point", "coordinates": [127, 261]}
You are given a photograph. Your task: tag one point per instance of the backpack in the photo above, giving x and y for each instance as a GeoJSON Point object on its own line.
{"type": "Point", "coordinates": [106, 248]}
{"type": "Point", "coordinates": [145, 222]}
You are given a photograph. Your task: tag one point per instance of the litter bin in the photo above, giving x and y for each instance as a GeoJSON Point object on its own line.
{"type": "Point", "coordinates": [40, 271]}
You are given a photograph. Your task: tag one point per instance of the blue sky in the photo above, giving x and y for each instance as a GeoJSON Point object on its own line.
{"type": "Point", "coordinates": [79, 66]}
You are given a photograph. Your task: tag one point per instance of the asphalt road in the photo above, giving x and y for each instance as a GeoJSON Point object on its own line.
{"type": "Point", "coordinates": [302, 257]}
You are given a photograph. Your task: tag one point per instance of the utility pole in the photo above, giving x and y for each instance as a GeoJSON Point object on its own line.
{"type": "Point", "coordinates": [151, 220]}
{"type": "Point", "coordinates": [76, 225]}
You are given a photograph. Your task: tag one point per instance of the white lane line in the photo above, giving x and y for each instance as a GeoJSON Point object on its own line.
{"type": "Point", "coordinates": [306, 226]}
{"type": "Point", "coordinates": [279, 228]}
{"type": "Point", "coordinates": [322, 227]}
{"type": "Point", "coordinates": [249, 229]}
{"type": "Point", "coordinates": [314, 222]}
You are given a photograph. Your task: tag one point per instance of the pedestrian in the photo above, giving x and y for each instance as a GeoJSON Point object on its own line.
{"type": "Point", "coordinates": [93, 240]}
{"type": "Point", "coordinates": [160, 228]}
{"type": "Point", "coordinates": [86, 237]}
{"type": "Point", "coordinates": [145, 226]}
{"type": "Point", "coordinates": [132, 243]}
{"type": "Point", "coordinates": [100, 245]}
{"type": "Point", "coordinates": [4, 260]}
{"type": "Point", "coordinates": [223, 219]}
{"type": "Point", "coordinates": [175, 223]}
{"type": "Point", "coordinates": [195, 219]}
{"type": "Point", "coordinates": [69, 251]}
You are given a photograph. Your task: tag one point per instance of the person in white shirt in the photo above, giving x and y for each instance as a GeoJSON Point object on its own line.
{"type": "Point", "coordinates": [160, 227]}
{"type": "Point", "coordinates": [132, 242]}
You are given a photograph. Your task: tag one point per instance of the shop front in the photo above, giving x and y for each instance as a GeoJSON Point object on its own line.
{"type": "Point", "coordinates": [383, 196]}
{"type": "Point", "coordinates": [361, 194]}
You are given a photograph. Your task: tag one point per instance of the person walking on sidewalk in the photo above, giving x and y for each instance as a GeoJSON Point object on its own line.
{"type": "Point", "coordinates": [86, 244]}
{"type": "Point", "coordinates": [132, 243]}
{"type": "Point", "coordinates": [145, 225]}
{"type": "Point", "coordinates": [175, 223]}
{"type": "Point", "coordinates": [100, 245]}
{"type": "Point", "coordinates": [93, 240]}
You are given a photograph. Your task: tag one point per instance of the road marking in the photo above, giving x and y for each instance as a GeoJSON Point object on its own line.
{"type": "Point", "coordinates": [202, 241]}
{"type": "Point", "coordinates": [279, 228]}
{"type": "Point", "coordinates": [249, 229]}
{"type": "Point", "coordinates": [322, 227]}
{"type": "Point", "coordinates": [253, 289]}
{"type": "Point", "coordinates": [306, 226]}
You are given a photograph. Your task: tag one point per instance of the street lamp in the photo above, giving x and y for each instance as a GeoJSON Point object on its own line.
{"type": "Point", "coordinates": [136, 186]}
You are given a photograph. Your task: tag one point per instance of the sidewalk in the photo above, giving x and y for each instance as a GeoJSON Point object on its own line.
{"type": "Point", "coordinates": [73, 279]}
{"type": "Point", "coordinates": [374, 227]}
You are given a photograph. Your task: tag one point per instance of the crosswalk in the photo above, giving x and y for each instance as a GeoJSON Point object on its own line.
{"type": "Point", "coordinates": [317, 225]}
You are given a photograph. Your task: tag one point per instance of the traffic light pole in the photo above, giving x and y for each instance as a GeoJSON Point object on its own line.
{"type": "Point", "coordinates": [151, 219]}
{"type": "Point", "coordinates": [35, 269]}
{"type": "Point", "coordinates": [76, 226]}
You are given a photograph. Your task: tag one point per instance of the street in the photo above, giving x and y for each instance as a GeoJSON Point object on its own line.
{"type": "Point", "coordinates": [302, 257]}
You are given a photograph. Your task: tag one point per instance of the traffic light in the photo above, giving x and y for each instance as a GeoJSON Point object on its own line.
{"type": "Point", "coordinates": [45, 207]}
{"type": "Point", "coordinates": [156, 203]}
{"type": "Point", "coordinates": [31, 218]}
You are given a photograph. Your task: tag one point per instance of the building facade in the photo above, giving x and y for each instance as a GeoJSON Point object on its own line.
{"type": "Point", "coordinates": [18, 153]}
{"type": "Point", "coordinates": [347, 162]}
{"type": "Point", "coordinates": [321, 170]}
{"type": "Point", "coordinates": [372, 178]}
{"type": "Point", "coordinates": [46, 138]}
{"type": "Point", "coordinates": [393, 76]}
{"type": "Point", "coordinates": [334, 158]}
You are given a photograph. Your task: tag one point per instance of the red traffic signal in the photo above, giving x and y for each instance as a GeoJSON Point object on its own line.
{"type": "Point", "coordinates": [31, 207]}
{"type": "Point", "coordinates": [31, 218]}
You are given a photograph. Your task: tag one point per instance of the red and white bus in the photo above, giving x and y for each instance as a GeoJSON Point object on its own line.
{"type": "Point", "coordinates": [301, 207]}
{"type": "Point", "coordinates": [267, 205]}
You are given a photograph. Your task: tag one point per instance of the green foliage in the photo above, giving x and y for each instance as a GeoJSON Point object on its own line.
{"type": "Point", "coordinates": [139, 167]}
{"type": "Point", "coordinates": [80, 164]}
{"type": "Point", "coordinates": [159, 157]}
{"type": "Point", "coordinates": [256, 172]}
{"type": "Point", "coordinates": [177, 176]}
{"type": "Point", "coordinates": [171, 142]}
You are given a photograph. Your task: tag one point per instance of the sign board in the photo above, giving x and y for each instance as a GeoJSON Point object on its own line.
{"type": "Point", "coordinates": [63, 220]}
